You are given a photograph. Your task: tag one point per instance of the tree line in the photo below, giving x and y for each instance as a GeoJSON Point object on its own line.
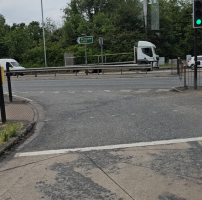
{"type": "Point", "coordinates": [119, 22]}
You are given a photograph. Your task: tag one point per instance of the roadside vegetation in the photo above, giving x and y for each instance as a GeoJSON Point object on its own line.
{"type": "Point", "coordinates": [119, 22]}
{"type": "Point", "coordinates": [10, 130]}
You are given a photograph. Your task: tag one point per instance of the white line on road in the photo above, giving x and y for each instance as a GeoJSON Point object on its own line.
{"type": "Point", "coordinates": [163, 90]}
{"type": "Point", "coordinates": [110, 147]}
{"type": "Point", "coordinates": [126, 90]}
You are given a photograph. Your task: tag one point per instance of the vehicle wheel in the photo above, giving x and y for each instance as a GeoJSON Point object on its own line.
{"type": "Point", "coordinates": [91, 71]}
{"type": "Point", "coordinates": [192, 67]}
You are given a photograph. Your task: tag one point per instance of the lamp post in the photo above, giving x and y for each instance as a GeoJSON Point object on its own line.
{"type": "Point", "coordinates": [43, 34]}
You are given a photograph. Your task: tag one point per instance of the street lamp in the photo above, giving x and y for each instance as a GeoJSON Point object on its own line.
{"type": "Point", "coordinates": [43, 34]}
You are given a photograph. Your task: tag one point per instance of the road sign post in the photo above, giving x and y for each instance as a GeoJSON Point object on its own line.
{"type": "Point", "coordinates": [85, 40]}
{"type": "Point", "coordinates": [85, 55]}
{"type": "Point", "coordinates": [101, 44]}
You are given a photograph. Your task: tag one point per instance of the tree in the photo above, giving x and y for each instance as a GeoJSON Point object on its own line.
{"type": "Point", "coordinates": [4, 29]}
{"type": "Point", "coordinates": [18, 41]}
{"type": "Point", "coordinates": [35, 32]}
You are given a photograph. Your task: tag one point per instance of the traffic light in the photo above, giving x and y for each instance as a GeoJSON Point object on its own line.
{"type": "Point", "coordinates": [197, 14]}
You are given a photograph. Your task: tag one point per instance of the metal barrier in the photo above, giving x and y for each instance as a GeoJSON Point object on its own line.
{"type": "Point", "coordinates": [76, 68]}
{"type": "Point", "coordinates": [190, 76]}
{"type": "Point", "coordinates": [186, 74]}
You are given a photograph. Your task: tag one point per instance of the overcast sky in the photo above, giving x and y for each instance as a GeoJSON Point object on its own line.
{"type": "Point", "coordinates": [18, 11]}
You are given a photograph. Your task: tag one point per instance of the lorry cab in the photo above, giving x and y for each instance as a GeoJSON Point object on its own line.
{"type": "Point", "coordinates": [146, 51]}
{"type": "Point", "coordinates": [13, 65]}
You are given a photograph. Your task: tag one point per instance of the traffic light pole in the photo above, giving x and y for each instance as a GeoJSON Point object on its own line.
{"type": "Point", "coordinates": [195, 54]}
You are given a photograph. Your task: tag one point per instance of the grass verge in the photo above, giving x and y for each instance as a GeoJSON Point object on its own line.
{"type": "Point", "coordinates": [10, 129]}
{"type": "Point", "coordinates": [166, 65]}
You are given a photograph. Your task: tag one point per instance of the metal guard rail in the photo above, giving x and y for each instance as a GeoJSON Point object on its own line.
{"type": "Point", "coordinates": [87, 67]}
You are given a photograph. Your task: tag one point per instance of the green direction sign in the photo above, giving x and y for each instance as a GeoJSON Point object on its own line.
{"type": "Point", "coordinates": [85, 40]}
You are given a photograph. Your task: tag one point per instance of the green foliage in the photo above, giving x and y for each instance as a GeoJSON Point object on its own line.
{"type": "Point", "coordinates": [10, 130]}
{"type": "Point", "coordinates": [119, 22]}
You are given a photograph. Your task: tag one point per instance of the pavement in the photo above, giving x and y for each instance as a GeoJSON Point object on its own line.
{"type": "Point", "coordinates": [18, 110]}
{"type": "Point", "coordinates": [165, 170]}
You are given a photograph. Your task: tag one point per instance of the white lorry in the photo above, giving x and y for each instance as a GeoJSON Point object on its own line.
{"type": "Point", "coordinates": [13, 65]}
{"type": "Point", "coordinates": [145, 52]}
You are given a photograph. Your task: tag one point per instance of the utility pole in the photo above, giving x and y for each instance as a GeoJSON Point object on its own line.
{"type": "Point", "coordinates": [43, 34]}
{"type": "Point", "coordinates": [145, 13]}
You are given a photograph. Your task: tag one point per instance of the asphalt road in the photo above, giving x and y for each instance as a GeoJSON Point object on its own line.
{"type": "Point", "coordinates": [98, 112]}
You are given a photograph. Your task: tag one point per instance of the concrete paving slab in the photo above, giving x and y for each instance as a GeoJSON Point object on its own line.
{"type": "Point", "coordinates": [172, 172]}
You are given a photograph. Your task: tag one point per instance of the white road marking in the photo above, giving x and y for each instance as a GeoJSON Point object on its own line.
{"type": "Point", "coordinates": [141, 91]}
{"type": "Point", "coordinates": [90, 91]}
{"type": "Point", "coordinates": [42, 92]}
{"type": "Point", "coordinates": [106, 90]}
{"type": "Point", "coordinates": [126, 90]}
{"type": "Point", "coordinates": [163, 90]}
{"type": "Point", "coordinates": [72, 92]}
{"type": "Point", "coordinates": [110, 147]}
{"type": "Point", "coordinates": [56, 92]}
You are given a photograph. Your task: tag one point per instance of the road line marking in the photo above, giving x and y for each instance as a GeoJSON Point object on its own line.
{"type": "Point", "coordinates": [163, 90]}
{"type": "Point", "coordinates": [126, 90]}
{"type": "Point", "coordinates": [140, 91]}
{"type": "Point", "coordinates": [106, 90]}
{"type": "Point", "coordinates": [110, 147]}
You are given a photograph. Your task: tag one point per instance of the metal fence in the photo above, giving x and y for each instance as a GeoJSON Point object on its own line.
{"type": "Point", "coordinates": [186, 73]}
{"type": "Point", "coordinates": [190, 77]}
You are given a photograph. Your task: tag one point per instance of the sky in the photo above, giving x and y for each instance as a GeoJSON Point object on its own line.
{"type": "Point", "coordinates": [26, 11]}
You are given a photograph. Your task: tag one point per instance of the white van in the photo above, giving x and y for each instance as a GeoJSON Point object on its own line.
{"type": "Point", "coordinates": [13, 65]}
